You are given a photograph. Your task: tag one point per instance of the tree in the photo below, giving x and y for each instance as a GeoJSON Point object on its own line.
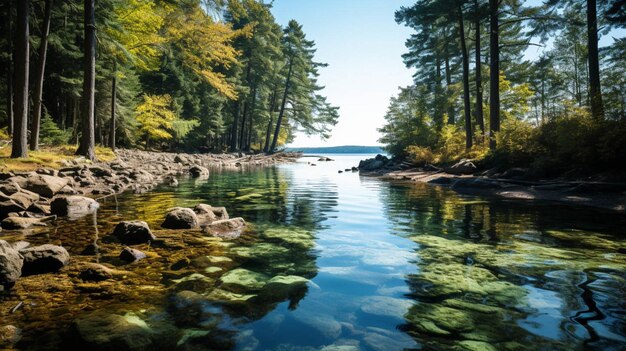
{"type": "Point", "coordinates": [20, 126]}
{"type": "Point", "coordinates": [156, 118]}
{"type": "Point", "coordinates": [494, 72]}
{"type": "Point", "coordinates": [595, 90]}
{"type": "Point", "coordinates": [87, 139]}
{"type": "Point", "coordinates": [41, 66]}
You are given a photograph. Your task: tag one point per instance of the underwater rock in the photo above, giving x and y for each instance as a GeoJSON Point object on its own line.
{"type": "Point", "coordinates": [198, 171]}
{"type": "Point", "coordinates": [190, 308]}
{"type": "Point", "coordinates": [282, 285]}
{"type": "Point", "coordinates": [292, 236]}
{"type": "Point", "coordinates": [180, 218]}
{"type": "Point", "coordinates": [11, 262]}
{"type": "Point", "coordinates": [243, 280]}
{"type": "Point", "coordinates": [472, 345]}
{"type": "Point", "coordinates": [324, 324]}
{"type": "Point", "coordinates": [44, 185]}
{"type": "Point", "coordinates": [131, 255]}
{"type": "Point", "coordinates": [227, 228]}
{"type": "Point", "coordinates": [9, 336]}
{"type": "Point", "coordinates": [133, 232]}
{"type": "Point", "coordinates": [25, 222]}
{"type": "Point", "coordinates": [424, 315]}
{"type": "Point", "coordinates": [385, 306]}
{"type": "Point", "coordinates": [104, 331]}
{"type": "Point", "coordinates": [73, 206]}
{"type": "Point", "coordinates": [44, 259]}
{"type": "Point", "coordinates": [95, 272]}
{"type": "Point", "coordinates": [223, 296]}
{"type": "Point", "coordinates": [194, 282]}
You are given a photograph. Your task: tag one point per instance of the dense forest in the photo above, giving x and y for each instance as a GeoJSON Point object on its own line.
{"type": "Point", "coordinates": [478, 94]}
{"type": "Point", "coordinates": [202, 75]}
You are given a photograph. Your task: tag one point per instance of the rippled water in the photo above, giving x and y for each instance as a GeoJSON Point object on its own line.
{"type": "Point", "coordinates": [390, 265]}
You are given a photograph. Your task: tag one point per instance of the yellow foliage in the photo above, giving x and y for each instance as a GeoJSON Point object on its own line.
{"type": "Point", "coordinates": [47, 156]}
{"type": "Point", "coordinates": [138, 33]}
{"type": "Point", "coordinates": [206, 46]}
{"type": "Point", "coordinates": [421, 155]}
{"type": "Point", "coordinates": [156, 117]}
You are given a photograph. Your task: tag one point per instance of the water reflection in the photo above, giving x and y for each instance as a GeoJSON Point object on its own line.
{"type": "Point", "coordinates": [494, 274]}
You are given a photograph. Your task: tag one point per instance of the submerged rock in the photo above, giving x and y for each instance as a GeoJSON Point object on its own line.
{"type": "Point", "coordinates": [243, 280]}
{"type": "Point", "coordinates": [95, 272]}
{"type": "Point", "coordinates": [133, 232]}
{"type": "Point", "coordinates": [44, 259]}
{"type": "Point", "coordinates": [11, 262]}
{"type": "Point", "coordinates": [227, 228]}
{"type": "Point", "coordinates": [73, 206]}
{"type": "Point", "coordinates": [385, 306]}
{"type": "Point", "coordinates": [180, 218]}
{"type": "Point", "coordinates": [198, 171]}
{"type": "Point", "coordinates": [9, 336]}
{"type": "Point", "coordinates": [131, 255]}
{"type": "Point", "coordinates": [103, 331]}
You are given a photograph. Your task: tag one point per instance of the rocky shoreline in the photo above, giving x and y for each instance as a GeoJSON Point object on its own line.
{"type": "Point", "coordinates": [33, 201]}
{"type": "Point", "coordinates": [466, 178]}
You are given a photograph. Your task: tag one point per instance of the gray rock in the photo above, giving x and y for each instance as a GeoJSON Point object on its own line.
{"type": "Point", "coordinates": [44, 259]}
{"type": "Point", "coordinates": [180, 218]}
{"type": "Point", "coordinates": [477, 183]}
{"type": "Point", "coordinates": [9, 188]}
{"type": "Point", "coordinates": [95, 272]}
{"type": "Point", "coordinates": [73, 206]}
{"type": "Point", "coordinates": [131, 255]}
{"type": "Point", "coordinates": [198, 171]}
{"type": "Point", "coordinates": [44, 185]}
{"type": "Point", "coordinates": [11, 262]}
{"type": "Point", "coordinates": [25, 222]}
{"type": "Point", "coordinates": [133, 232]}
{"type": "Point", "coordinates": [462, 167]}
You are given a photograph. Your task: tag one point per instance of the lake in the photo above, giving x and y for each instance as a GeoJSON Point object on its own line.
{"type": "Point", "coordinates": [337, 261]}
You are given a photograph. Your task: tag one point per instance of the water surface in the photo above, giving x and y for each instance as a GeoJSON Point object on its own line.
{"type": "Point", "coordinates": [389, 265]}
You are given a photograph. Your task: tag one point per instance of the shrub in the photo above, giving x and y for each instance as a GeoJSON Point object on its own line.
{"type": "Point", "coordinates": [51, 134]}
{"type": "Point", "coordinates": [421, 155]}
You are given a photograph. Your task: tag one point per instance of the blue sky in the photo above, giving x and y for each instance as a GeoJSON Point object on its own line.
{"type": "Point", "coordinates": [362, 44]}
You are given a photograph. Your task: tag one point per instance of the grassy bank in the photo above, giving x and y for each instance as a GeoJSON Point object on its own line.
{"type": "Point", "coordinates": [47, 156]}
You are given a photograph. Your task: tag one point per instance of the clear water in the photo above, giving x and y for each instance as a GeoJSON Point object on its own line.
{"type": "Point", "coordinates": [391, 266]}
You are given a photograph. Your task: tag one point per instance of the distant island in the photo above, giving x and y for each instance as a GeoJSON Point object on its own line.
{"type": "Point", "coordinates": [347, 149]}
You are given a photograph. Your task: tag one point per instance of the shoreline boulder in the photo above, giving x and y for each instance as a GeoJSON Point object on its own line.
{"type": "Point", "coordinates": [73, 206]}
{"type": "Point", "coordinates": [131, 255]}
{"type": "Point", "coordinates": [198, 171]}
{"type": "Point", "coordinates": [44, 185]}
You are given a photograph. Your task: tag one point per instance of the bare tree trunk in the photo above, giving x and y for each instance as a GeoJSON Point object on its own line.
{"type": "Point", "coordinates": [451, 117]}
{"type": "Point", "coordinates": [20, 127]}
{"type": "Point", "coordinates": [10, 112]}
{"type": "Point", "coordinates": [494, 74]}
{"type": "Point", "coordinates": [282, 107]}
{"type": "Point", "coordinates": [466, 86]}
{"type": "Point", "coordinates": [479, 77]}
{"type": "Point", "coordinates": [597, 107]}
{"type": "Point", "coordinates": [87, 140]}
{"type": "Point", "coordinates": [41, 68]}
{"type": "Point", "coordinates": [113, 102]}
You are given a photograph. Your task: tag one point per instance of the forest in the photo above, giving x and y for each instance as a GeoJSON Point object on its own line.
{"type": "Point", "coordinates": [477, 94]}
{"type": "Point", "coordinates": [191, 75]}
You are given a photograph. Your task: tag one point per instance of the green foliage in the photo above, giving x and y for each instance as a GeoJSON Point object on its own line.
{"type": "Point", "coordinates": [51, 134]}
{"type": "Point", "coordinates": [156, 118]}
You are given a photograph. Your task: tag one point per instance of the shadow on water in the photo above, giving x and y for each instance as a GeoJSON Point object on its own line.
{"type": "Point", "coordinates": [334, 262]}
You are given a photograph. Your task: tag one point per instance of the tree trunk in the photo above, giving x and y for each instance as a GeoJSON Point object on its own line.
{"type": "Point", "coordinates": [494, 74]}
{"type": "Point", "coordinates": [282, 107]}
{"type": "Point", "coordinates": [41, 68]}
{"type": "Point", "coordinates": [234, 134]}
{"type": "Point", "coordinates": [595, 91]}
{"type": "Point", "coordinates": [251, 120]}
{"type": "Point", "coordinates": [113, 102]}
{"type": "Point", "coordinates": [87, 139]}
{"type": "Point", "coordinates": [20, 127]}
{"type": "Point", "coordinates": [10, 39]}
{"type": "Point", "coordinates": [479, 79]}
{"type": "Point", "coordinates": [466, 85]}
{"type": "Point", "coordinates": [451, 117]}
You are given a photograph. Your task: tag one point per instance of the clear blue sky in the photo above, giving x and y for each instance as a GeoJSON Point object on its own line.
{"type": "Point", "coordinates": [362, 44]}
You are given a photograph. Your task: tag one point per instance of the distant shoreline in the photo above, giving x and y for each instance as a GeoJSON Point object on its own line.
{"type": "Point", "coordinates": [347, 149]}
